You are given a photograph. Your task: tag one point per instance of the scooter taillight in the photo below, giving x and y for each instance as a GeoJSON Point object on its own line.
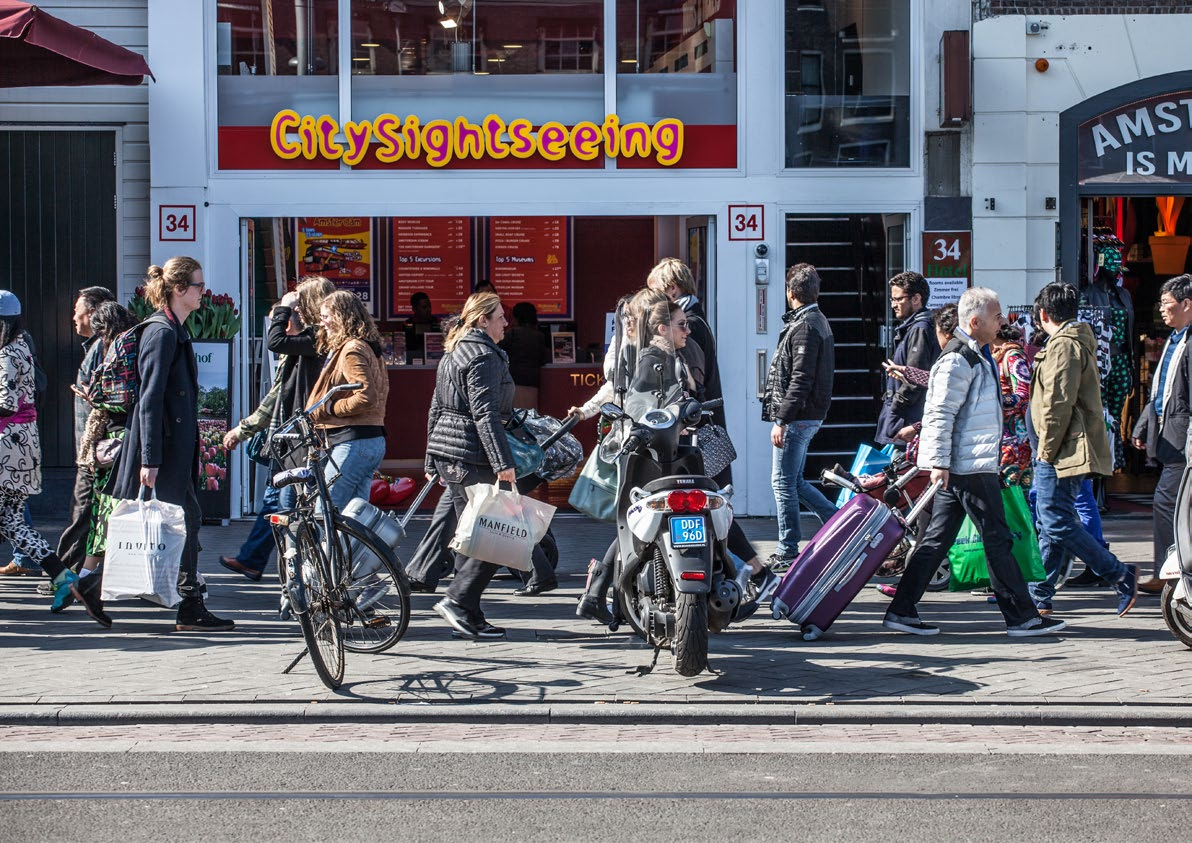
{"type": "Point", "coordinates": [687, 501]}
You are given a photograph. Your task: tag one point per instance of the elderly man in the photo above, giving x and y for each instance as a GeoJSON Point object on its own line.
{"type": "Point", "coordinates": [960, 443]}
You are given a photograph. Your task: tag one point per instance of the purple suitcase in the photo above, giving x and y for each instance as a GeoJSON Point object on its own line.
{"type": "Point", "coordinates": [836, 564]}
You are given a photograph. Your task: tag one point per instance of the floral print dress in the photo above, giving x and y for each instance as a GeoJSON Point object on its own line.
{"type": "Point", "coordinates": [1014, 370]}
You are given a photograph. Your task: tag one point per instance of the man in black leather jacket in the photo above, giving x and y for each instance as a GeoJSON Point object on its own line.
{"type": "Point", "coordinates": [915, 345]}
{"type": "Point", "coordinates": [798, 394]}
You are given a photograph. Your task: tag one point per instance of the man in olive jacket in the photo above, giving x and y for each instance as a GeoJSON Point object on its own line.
{"type": "Point", "coordinates": [1072, 442]}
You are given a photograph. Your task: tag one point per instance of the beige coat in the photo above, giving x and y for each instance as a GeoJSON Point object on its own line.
{"type": "Point", "coordinates": [353, 362]}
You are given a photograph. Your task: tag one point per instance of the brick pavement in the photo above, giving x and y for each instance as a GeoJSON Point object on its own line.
{"type": "Point", "coordinates": [552, 657]}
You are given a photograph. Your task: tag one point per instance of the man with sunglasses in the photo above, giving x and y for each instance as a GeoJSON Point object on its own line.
{"type": "Point", "coordinates": [1163, 429]}
{"type": "Point", "coordinates": [915, 345]}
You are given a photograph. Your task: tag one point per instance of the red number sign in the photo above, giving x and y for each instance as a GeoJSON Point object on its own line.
{"type": "Point", "coordinates": [176, 222]}
{"type": "Point", "coordinates": [746, 222]}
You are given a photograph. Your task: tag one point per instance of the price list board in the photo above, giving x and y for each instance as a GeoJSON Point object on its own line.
{"type": "Point", "coordinates": [529, 260]}
{"type": "Point", "coordinates": [431, 255]}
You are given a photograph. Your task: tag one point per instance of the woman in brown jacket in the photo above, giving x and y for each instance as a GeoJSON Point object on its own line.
{"type": "Point", "coordinates": [355, 423]}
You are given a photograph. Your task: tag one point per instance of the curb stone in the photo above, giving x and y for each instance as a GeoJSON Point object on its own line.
{"type": "Point", "coordinates": [612, 714]}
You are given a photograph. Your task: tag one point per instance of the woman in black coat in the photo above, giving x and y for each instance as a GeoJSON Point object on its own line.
{"type": "Point", "coordinates": [161, 448]}
{"type": "Point", "coordinates": [466, 442]}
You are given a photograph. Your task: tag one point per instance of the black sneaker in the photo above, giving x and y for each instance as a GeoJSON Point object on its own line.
{"type": "Point", "coordinates": [909, 623]}
{"type": "Point", "coordinates": [485, 631]}
{"type": "Point", "coordinates": [86, 591]}
{"type": "Point", "coordinates": [194, 617]}
{"type": "Point", "coordinates": [457, 616]}
{"type": "Point", "coordinates": [1036, 626]}
{"type": "Point", "coordinates": [765, 582]}
{"type": "Point", "coordinates": [417, 587]}
{"type": "Point", "coordinates": [1086, 579]}
{"type": "Point", "coordinates": [780, 564]}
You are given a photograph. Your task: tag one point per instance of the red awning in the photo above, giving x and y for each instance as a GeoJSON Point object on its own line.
{"type": "Point", "coordinates": [37, 48]}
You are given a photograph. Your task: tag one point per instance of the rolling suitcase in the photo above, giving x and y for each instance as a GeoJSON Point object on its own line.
{"type": "Point", "coordinates": [836, 564]}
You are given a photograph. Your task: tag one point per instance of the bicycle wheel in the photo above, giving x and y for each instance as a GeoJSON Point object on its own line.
{"type": "Point", "coordinates": [321, 624]}
{"type": "Point", "coordinates": [380, 598]}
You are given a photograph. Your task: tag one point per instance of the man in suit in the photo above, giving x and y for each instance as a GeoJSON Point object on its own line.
{"type": "Point", "coordinates": [1163, 429]}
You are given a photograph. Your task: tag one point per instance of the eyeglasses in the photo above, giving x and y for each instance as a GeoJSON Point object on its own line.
{"type": "Point", "coordinates": [202, 285]}
{"type": "Point", "coordinates": [898, 298]}
{"type": "Point", "coordinates": [681, 325]}
{"type": "Point", "coordinates": [1168, 303]}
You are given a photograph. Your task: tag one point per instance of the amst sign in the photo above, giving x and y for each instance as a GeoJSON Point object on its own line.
{"type": "Point", "coordinates": [1144, 142]}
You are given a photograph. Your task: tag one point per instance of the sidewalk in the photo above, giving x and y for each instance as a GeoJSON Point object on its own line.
{"type": "Point", "coordinates": [555, 666]}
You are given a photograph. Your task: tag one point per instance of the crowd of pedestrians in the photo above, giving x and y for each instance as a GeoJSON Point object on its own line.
{"type": "Point", "coordinates": [964, 400]}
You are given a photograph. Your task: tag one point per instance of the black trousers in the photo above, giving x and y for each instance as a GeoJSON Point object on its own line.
{"type": "Point", "coordinates": [433, 558]}
{"type": "Point", "coordinates": [980, 497]}
{"type": "Point", "coordinates": [72, 546]}
{"type": "Point", "coordinates": [1165, 492]}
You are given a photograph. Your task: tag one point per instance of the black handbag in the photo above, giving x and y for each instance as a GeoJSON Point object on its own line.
{"type": "Point", "coordinates": [258, 448]}
{"type": "Point", "coordinates": [716, 447]}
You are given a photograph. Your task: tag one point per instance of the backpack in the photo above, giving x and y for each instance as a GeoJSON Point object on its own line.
{"type": "Point", "coordinates": [115, 384]}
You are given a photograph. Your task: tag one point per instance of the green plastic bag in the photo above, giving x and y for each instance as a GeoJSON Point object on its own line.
{"type": "Point", "coordinates": [967, 556]}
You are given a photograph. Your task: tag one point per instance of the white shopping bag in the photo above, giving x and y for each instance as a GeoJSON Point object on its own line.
{"type": "Point", "coordinates": [501, 527]}
{"type": "Point", "coordinates": [145, 542]}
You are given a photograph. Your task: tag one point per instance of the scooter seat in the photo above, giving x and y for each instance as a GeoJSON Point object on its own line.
{"type": "Point", "coordinates": [682, 481]}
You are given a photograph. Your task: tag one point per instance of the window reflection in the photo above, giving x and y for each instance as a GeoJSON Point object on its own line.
{"type": "Point", "coordinates": [277, 37]}
{"type": "Point", "coordinates": [848, 83]}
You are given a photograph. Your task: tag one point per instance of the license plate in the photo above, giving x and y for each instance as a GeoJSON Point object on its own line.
{"type": "Point", "coordinates": [688, 531]}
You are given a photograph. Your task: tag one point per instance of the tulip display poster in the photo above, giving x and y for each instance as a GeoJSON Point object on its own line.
{"type": "Point", "coordinates": [340, 249]}
{"type": "Point", "coordinates": [214, 359]}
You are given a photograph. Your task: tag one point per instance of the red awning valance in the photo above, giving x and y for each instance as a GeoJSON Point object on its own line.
{"type": "Point", "coordinates": [37, 48]}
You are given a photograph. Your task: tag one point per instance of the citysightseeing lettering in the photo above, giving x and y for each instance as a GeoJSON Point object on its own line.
{"type": "Point", "coordinates": [438, 142]}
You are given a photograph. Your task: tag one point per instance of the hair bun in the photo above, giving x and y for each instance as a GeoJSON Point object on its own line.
{"type": "Point", "coordinates": [155, 271]}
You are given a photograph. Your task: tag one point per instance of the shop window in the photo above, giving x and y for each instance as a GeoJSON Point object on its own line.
{"type": "Point", "coordinates": [677, 58]}
{"type": "Point", "coordinates": [274, 55]}
{"type": "Point", "coordinates": [441, 60]}
{"type": "Point", "coordinates": [848, 83]}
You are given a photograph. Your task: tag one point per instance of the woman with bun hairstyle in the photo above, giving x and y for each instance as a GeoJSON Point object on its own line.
{"type": "Point", "coordinates": [161, 447]}
{"type": "Point", "coordinates": [466, 443]}
{"type": "Point", "coordinates": [354, 422]}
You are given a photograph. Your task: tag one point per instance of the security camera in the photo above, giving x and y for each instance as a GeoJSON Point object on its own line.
{"type": "Point", "coordinates": [761, 250]}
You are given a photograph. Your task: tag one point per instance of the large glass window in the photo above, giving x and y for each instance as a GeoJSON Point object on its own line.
{"type": "Point", "coordinates": [273, 55]}
{"type": "Point", "coordinates": [540, 61]}
{"type": "Point", "coordinates": [677, 58]}
{"type": "Point", "coordinates": [848, 83]}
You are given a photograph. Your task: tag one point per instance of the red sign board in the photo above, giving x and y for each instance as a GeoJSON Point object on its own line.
{"type": "Point", "coordinates": [947, 264]}
{"type": "Point", "coordinates": [431, 255]}
{"type": "Point", "coordinates": [529, 260]}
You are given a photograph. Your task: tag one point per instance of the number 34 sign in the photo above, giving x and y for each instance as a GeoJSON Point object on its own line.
{"type": "Point", "coordinates": [176, 222]}
{"type": "Point", "coordinates": [947, 264]}
{"type": "Point", "coordinates": [746, 222]}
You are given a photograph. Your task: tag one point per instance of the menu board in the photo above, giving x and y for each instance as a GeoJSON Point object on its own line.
{"type": "Point", "coordinates": [528, 260]}
{"type": "Point", "coordinates": [340, 249]}
{"type": "Point", "coordinates": [432, 255]}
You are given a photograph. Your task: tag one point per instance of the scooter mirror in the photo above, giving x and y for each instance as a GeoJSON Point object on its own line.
{"type": "Point", "coordinates": [612, 411]}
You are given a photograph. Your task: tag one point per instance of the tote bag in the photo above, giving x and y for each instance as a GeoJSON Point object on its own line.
{"type": "Point", "coordinates": [595, 490]}
{"type": "Point", "coordinates": [144, 552]}
{"type": "Point", "coordinates": [501, 526]}
{"type": "Point", "coordinates": [967, 556]}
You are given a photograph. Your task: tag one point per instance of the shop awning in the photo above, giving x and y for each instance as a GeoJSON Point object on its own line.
{"type": "Point", "coordinates": [37, 48]}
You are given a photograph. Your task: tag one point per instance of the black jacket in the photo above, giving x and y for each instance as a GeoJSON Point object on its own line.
{"type": "Point", "coordinates": [163, 427]}
{"type": "Point", "coordinates": [299, 370]}
{"type": "Point", "coordinates": [701, 332]}
{"type": "Point", "coordinates": [799, 385]}
{"type": "Point", "coordinates": [527, 352]}
{"type": "Point", "coordinates": [1166, 439]}
{"type": "Point", "coordinates": [915, 345]}
{"type": "Point", "coordinates": [473, 399]}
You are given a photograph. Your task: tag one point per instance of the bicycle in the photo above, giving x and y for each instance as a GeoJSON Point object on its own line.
{"type": "Point", "coordinates": [344, 584]}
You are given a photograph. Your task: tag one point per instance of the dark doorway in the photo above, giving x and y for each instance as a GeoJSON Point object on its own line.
{"type": "Point", "coordinates": [58, 224]}
{"type": "Point", "coordinates": [849, 251]}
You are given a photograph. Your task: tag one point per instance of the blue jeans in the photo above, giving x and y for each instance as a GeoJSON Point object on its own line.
{"type": "Point", "coordinates": [356, 461]}
{"type": "Point", "coordinates": [790, 487]}
{"type": "Point", "coordinates": [259, 545]}
{"type": "Point", "coordinates": [1061, 532]}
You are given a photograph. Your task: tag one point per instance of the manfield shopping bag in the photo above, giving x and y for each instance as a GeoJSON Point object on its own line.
{"type": "Point", "coordinates": [967, 556]}
{"type": "Point", "coordinates": [867, 461]}
{"type": "Point", "coordinates": [501, 526]}
{"type": "Point", "coordinates": [595, 490]}
{"type": "Point", "coordinates": [145, 542]}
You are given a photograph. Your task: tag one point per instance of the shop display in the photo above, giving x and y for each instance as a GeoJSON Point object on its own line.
{"type": "Point", "coordinates": [529, 260]}
{"type": "Point", "coordinates": [340, 249]}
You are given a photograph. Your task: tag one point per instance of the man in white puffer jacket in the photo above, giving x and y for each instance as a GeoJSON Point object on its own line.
{"type": "Point", "coordinates": [961, 443]}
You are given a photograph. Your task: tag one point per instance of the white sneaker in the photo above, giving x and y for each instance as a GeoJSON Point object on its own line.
{"type": "Point", "coordinates": [1036, 626]}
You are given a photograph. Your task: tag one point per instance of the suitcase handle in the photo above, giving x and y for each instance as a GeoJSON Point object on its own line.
{"type": "Point", "coordinates": [923, 501]}
{"type": "Point", "coordinates": [422, 493]}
